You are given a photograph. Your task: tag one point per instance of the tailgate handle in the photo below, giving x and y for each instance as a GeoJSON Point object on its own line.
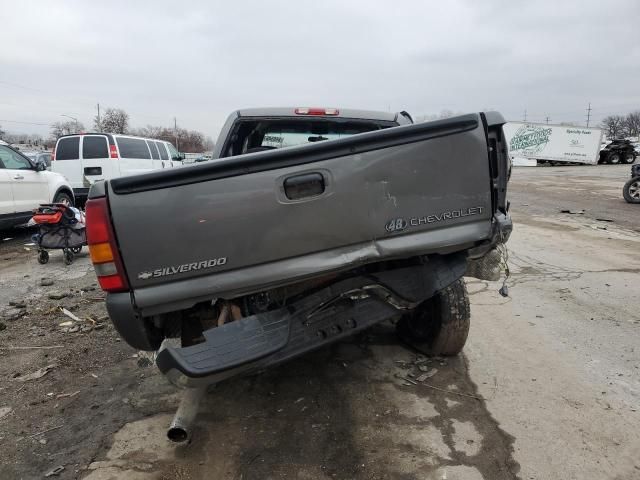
{"type": "Point", "coordinates": [93, 171]}
{"type": "Point", "coordinates": [304, 186]}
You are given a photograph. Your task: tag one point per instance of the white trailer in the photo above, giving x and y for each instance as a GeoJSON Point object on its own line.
{"type": "Point", "coordinates": [553, 143]}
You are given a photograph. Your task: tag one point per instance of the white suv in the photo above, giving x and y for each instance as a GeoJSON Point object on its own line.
{"type": "Point", "coordinates": [24, 185]}
{"type": "Point", "coordinates": [90, 157]}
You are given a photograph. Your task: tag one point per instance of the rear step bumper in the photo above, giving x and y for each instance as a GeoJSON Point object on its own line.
{"type": "Point", "coordinates": [328, 315]}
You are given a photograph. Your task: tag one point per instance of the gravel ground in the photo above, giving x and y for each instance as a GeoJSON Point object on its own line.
{"type": "Point", "coordinates": [547, 388]}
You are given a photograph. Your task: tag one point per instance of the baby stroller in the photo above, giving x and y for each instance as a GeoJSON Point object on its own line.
{"type": "Point", "coordinates": [59, 227]}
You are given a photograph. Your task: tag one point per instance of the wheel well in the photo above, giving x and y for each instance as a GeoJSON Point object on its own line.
{"type": "Point", "coordinates": [67, 191]}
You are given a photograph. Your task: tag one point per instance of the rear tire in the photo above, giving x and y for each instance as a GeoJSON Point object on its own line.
{"type": "Point", "coordinates": [614, 158]}
{"type": "Point", "coordinates": [628, 158]}
{"type": "Point", "coordinates": [62, 197]}
{"type": "Point", "coordinates": [631, 190]}
{"type": "Point", "coordinates": [439, 325]}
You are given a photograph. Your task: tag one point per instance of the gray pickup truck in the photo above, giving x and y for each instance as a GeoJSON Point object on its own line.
{"type": "Point", "coordinates": [308, 225]}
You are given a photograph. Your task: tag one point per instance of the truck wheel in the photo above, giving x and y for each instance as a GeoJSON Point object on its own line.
{"type": "Point", "coordinates": [628, 158]}
{"type": "Point", "coordinates": [440, 325]}
{"type": "Point", "coordinates": [63, 198]}
{"type": "Point", "coordinates": [614, 158]}
{"type": "Point", "coordinates": [631, 190]}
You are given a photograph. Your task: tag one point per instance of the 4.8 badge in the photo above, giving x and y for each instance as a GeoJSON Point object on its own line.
{"type": "Point", "coordinates": [396, 225]}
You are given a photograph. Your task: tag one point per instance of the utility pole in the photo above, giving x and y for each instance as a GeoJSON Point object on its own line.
{"type": "Point", "coordinates": [588, 113]}
{"type": "Point", "coordinates": [99, 123]}
{"type": "Point", "coordinates": [524, 118]}
{"type": "Point", "coordinates": [175, 132]}
{"type": "Point", "coordinates": [547, 119]}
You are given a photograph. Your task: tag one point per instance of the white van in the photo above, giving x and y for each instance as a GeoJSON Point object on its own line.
{"type": "Point", "coordinates": [87, 158]}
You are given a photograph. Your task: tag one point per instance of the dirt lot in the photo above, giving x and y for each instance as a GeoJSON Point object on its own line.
{"type": "Point", "coordinates": [548, 386]}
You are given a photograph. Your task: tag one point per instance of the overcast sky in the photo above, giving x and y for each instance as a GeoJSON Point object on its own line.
{"type": "Point", "coordinates": [198, 61]}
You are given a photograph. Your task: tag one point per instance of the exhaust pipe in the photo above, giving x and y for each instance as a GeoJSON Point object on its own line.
{"type": "Point", "coordinates": [180, 429]}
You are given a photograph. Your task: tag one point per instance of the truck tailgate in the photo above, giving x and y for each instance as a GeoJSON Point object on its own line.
{"type": "Point", "coordinates": [262, 219]}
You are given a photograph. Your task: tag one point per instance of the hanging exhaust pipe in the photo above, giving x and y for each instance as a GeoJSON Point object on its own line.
{"type": "Point", "coordinates": [181, 427]}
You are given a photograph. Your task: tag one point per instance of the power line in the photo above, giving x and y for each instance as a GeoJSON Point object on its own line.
{"type": "Point", "coordinates": [26, 123]}
{"type": "Point", "coordinates": [14, 85]}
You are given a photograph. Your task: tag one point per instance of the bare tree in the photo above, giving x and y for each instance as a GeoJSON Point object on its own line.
{"type": "Point", "coordinates": [66, 128]}
{"type": "Point", "coordinates": [2, 132]}
{"type": "Point", "coordinates": [24, 139]}
{"type": "Point", "coordinates": [613, 126]}
{"type": "Point", "coordinates": [149, 131]}
{"type": "Point", "coordinates": [114, 120]}
{"type": "Point", "coordinates": [632, 124]}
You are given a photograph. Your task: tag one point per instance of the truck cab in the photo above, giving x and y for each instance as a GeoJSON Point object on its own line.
{"type": "Point", "coordinates": [260, 129]}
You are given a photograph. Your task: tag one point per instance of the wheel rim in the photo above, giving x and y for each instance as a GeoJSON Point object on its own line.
{"type": "Point", "coordinates": [634, 190]}
{"type": "Point", "coordinates": [614, 158]}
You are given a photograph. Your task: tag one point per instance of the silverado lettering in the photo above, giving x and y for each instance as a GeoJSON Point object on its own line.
{"type": "Point", "coordinates": [186, 267]}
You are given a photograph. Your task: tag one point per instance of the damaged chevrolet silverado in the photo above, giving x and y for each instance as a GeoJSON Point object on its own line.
{"type": "Point", "coordinates": [308, 226]}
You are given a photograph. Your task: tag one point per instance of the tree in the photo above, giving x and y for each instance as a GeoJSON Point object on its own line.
{"type": "Point", "coordinates": [613, 126]}
{"type": "Point", "coordinates": [2, 132]}
{"type": "Point", "coordinates": [632, 124]}
{"type": "Point", "coordinates": [149, 131]}
{"type": "Point", "coordinates": [66, 128]}
{"type": "Point", "coordinates": [24, 139]}
{"type": "Point", "coordinates": [114, 120]}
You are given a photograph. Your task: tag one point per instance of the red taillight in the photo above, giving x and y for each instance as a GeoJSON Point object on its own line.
{"type": "Point", "coordinates": [103, 248]}
{"type": "Point", "coordinates": [113, 150]}
{"type": "Point", "coordinates": [113, 283]}
{"type": "Point", "coordinates": [316, 111]}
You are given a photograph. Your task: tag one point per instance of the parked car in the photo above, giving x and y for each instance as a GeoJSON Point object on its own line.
{"type": "Point", "coordinates": [309, 226]}
{"type": "Point", "coordinates": [631, 189]}
{"type": "Point", "coordinates": [39, 157]}
{"type": "Point", "coordinates": [87, 158]}
{"type": "Point", "coordinates": [25, 184]}
{"type": "Point", "coordinates": [618, 151]}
